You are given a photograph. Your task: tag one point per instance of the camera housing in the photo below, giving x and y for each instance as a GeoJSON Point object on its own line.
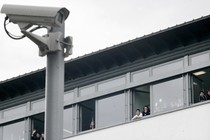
{"type": "Point", "coordinates": [35, 15]}
{"type": "Point", "coordinates": [51, 18]}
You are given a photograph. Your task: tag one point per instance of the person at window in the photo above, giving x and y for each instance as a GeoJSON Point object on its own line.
{"type": "Point", "coordinates": [92, 124]}
{"type": "Point", "coordinates": [138, 115]}
{"type": "Point", "coordinates": [208, 95]}
{"type": "Point", "coordinates": [146, 111]}
{"type": "Point", "coordinates": [42, 136]}
{"type": "Point", "coordinates": [35, 135]}
{"type": "Point", "coordinates": [202, 97]}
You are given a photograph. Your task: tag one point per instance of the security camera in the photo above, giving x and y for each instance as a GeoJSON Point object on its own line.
{"type": "Point", "coordinates": [35, 15]}
{"type": "Point", "coordinates": [44, 17]}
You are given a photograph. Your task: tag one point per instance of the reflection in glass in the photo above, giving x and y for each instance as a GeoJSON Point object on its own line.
{"type": "Point", "coordinates": [168, 95]}
{"type": "Point", "coordinates": [14, 131]}
{"type": "Point", "coordinates": [111, 110]}
{"type": "Point", "coordinates": [68, 123]}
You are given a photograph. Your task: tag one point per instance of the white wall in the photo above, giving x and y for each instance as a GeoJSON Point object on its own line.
{"type": "Point", "coordinates": [187, 124]}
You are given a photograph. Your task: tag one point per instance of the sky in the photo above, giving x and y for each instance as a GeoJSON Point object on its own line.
{"type": "Point", "coordinates": [95, 25]}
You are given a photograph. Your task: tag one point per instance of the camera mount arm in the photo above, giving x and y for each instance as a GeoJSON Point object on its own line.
{"type": "Point", "coordinates": [51, 42]}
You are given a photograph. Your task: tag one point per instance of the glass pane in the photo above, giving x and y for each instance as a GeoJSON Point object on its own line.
{"type": "Point", "coordinates": [68, 122]}
{"type": "Point", "coordinates": [111, 110]}
{"type": "Point", "coordinates": [14, 131]}
{"type": "Point", "coordinates": [168, 95]}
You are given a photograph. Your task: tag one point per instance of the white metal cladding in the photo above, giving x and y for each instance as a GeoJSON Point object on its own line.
{"type": "Point", "coordinates": [140, 75]}
{"type": "Point", "coordinates": [38, 104]}
{"type": "Point", "coordinates": [69, 95]}
{"type": "Point", "coordinates": [168, 67]}
{"type": "Point", "coordinates": [111, 83]}
{"type": "Point", "coordinates": [84, 91]}
{"type": "Point", "coordinates": [14, 111]}
{"type": "Point", "coordinates": [182, 125]}
{"type": "Point", "coordinates": [199, 58]}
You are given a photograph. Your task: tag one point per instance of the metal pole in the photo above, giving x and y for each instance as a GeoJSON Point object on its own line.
{"type": "Point", "coordinates": [54, 93]}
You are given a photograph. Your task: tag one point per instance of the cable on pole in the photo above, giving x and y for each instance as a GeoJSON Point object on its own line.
{"type": "Point", "coordinates": [15, 37]}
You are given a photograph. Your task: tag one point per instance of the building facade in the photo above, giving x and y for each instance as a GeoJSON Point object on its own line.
{"type": "Point", "coordinates": [165, 71]}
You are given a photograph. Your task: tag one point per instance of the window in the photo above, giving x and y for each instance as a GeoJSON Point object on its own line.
{"type": "Point", "coordinates": [68, 122]}
{"type": "Point", "coordinates": [14, 131]}
{"type": "Point", "coordinates": [38, 123]}
{"type": "Point", "coordinates": [141, 98]}
{"type": "Point", "coordinates": [168, 95]}
{"type": "Point", "coordinates": [87, 115]}
{"type": "Point", "coordinates": [111, 110]}
{"type": "Point", "coordinates": [199, 82]}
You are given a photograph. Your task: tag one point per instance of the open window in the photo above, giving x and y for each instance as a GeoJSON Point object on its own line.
{"type": "Point", "coordinates": [199, 82]}
{"type": "Point", "coordinates": [87, 115]}
{"type": "Point", "coordinates": [141, 98]}
{"type": "Point", "coordinates": [38, 123]}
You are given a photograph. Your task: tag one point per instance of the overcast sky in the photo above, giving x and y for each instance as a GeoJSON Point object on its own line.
{"type": "Point", "coordinates": [95, 25]}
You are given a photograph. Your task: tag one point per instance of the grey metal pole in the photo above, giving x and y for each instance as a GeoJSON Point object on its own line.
{"type": "Point", "coordinates": [54, 93]}
{"type": "Point", "coordinates": [54, 89]}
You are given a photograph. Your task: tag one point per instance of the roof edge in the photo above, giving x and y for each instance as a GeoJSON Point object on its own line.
{"type": "Point", "coordinates": [112, 47]}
